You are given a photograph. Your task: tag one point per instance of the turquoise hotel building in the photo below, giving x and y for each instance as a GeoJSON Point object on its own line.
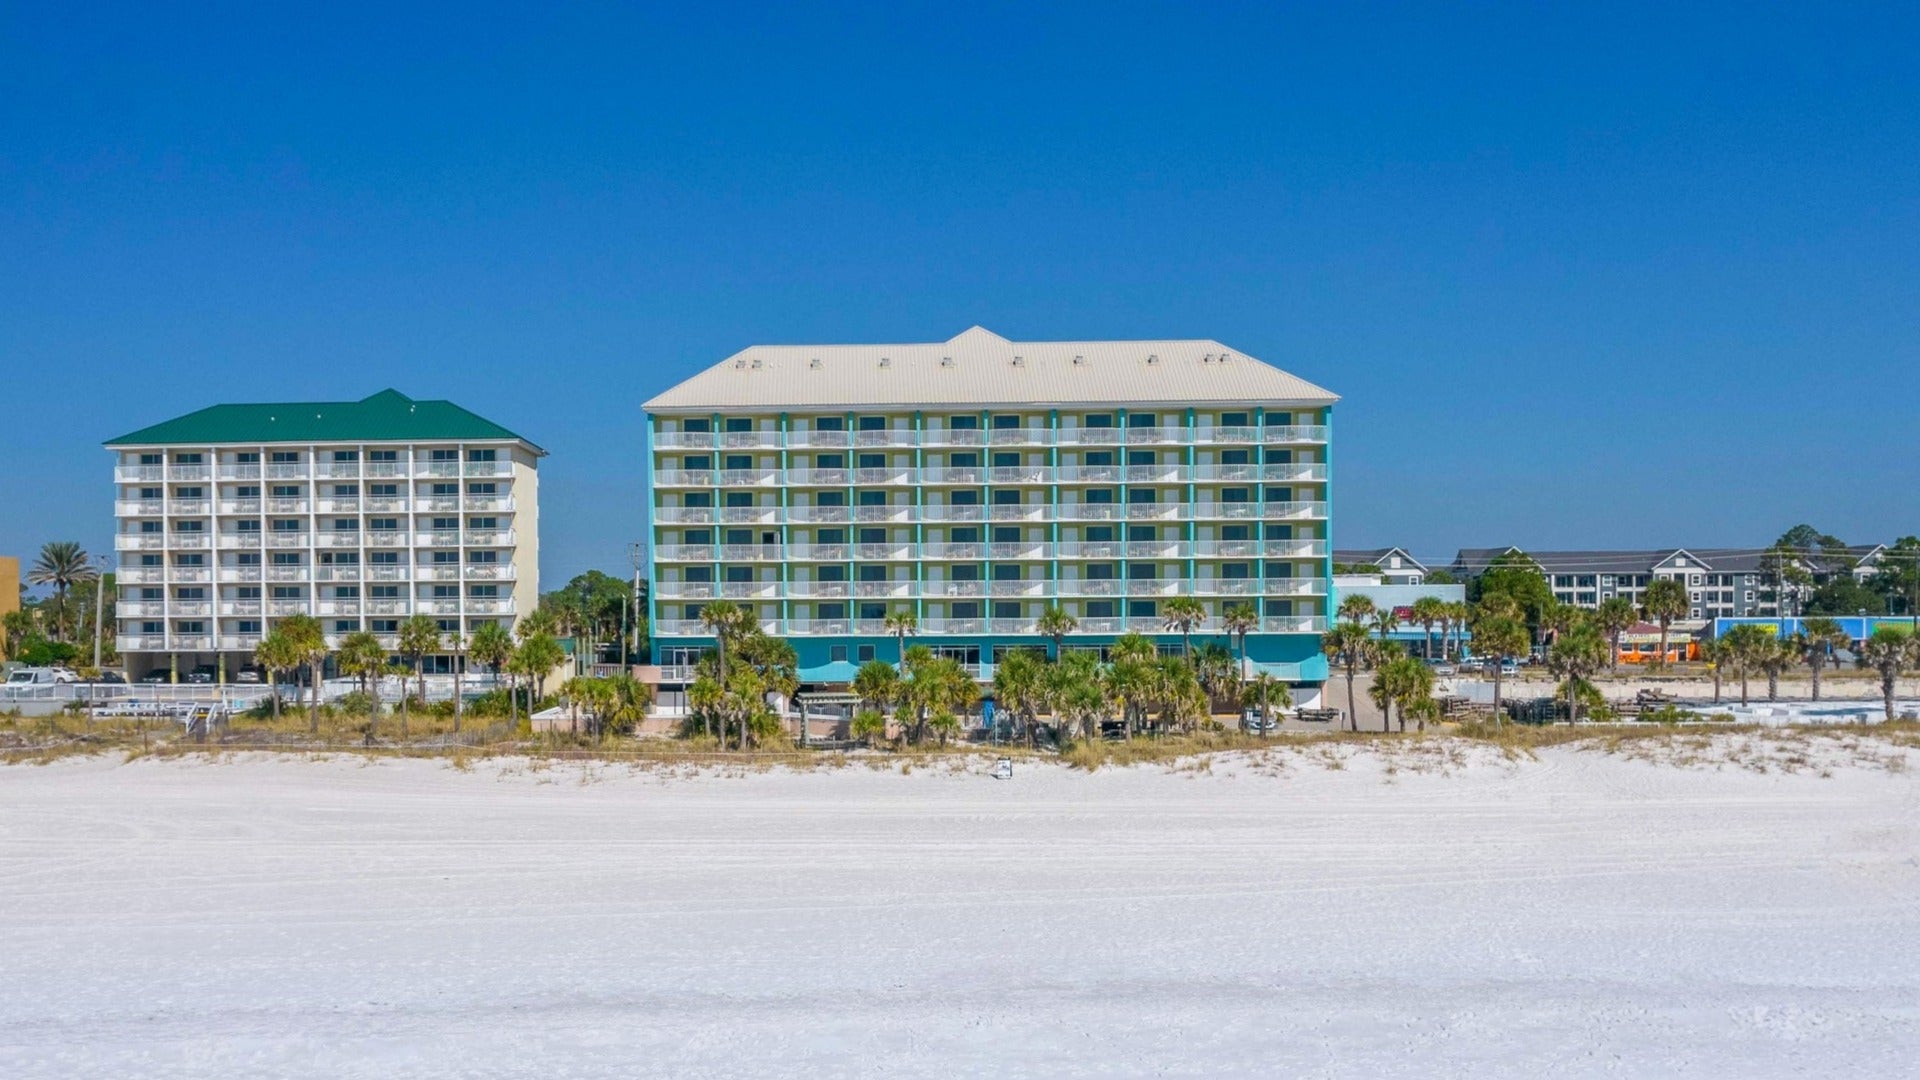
{"type": "Point", "coordinates": [975, 482]}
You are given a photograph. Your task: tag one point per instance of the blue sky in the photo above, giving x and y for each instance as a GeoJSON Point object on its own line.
{"type": "Point", "coordinates": [1631, 276]}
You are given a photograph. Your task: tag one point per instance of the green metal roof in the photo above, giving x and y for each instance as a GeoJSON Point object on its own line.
{"type": "Point", "coordinates": [388, 416]}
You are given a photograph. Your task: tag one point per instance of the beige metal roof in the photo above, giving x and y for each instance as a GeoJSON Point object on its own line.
{"type": "Point", "coordinates": [980, 367]}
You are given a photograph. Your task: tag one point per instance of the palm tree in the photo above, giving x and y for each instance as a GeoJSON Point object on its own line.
{"type": "Point", "coordinates": [1266, 689]}
{"type": "Point", "coordinates": [1427, 612]}
{"type": "Point", "coordinates": [278, 654]}
{"type": "Point", "coordinates": [1665, 602]}
{"type": "Point", "coordinates": [364, 658]}
{"type": "Point", "coordinates": [1076, 692]}
{"type": "Point", "coordinates": [1356, 608]}
{"type": "Point", "coordinates": [1775, 657]}
{"type": "Point", "coordinates": [1819, 637]}
{"type": "Point", "coordinates": [902, 624]}
{"type": "Point", "coordinates": [1384, 623]}
{"type": "Point", "coordinates": [1716, 652]}
{"type": "Point", "coordinates": [419, 638]}
{"type": "Point", "coordinates": [1499, 636]}
{"type": "Point", "coordinates": [1347, 644]}
{"type": "Point", "coordinates": [1612, 617]}
{"type": "Point", "coordinates": [877, 685]}
{"type": "Point", "coordinates": [62, 564]}
{"type": "Point", "coordinates": [1890, 651]}
{"type": "Point", "coordinates": [536, 657]}
{"type": "Point", "coordinates": [1459, 614]}
{"type": "Point", "coordinates": [1745, 646]}
{"type": "Point", "coordinates": [1181, 614]}
{"type": "Point", "coordinates": [1054, 622]}
{"type": "Point", "coordinates": [1019, 683]}
{"type": "Point", "coordinates": [1218, 675]}
{"type": "Point", "coordinates": [492, 646]}
{"type": "Point", "coordinates": [309, 647]}
{"type": "Point", "coordinates": [1238, 621]}
{"type": "Point", "coordinates": [726, 621]}
{"type": "Point", "coordinates": [1401, 681]}
{"type": "Point", "coordinates": [1577, 653]}
{"type": "Point", "coordinates": [456, 647]}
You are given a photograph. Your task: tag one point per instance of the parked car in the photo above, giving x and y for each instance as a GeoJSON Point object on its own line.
{"type": "Point", "coordinates": [41, 676]}
{"type": "Point", "coordinates": [204, 673]}
{"type": "Point", "coordinates": [1443, 667]}
{"type": "Point", "coordinates": [249, 674]}
{"type": "Point", "coordinates": [157, 675]}
{"type": "Point", "coordinates": [112, 678]}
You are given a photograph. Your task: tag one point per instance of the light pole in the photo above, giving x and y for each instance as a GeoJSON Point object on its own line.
{"type": "Point", "coordinates": [99, 605]}
{"type": "Point", "coordinates": [637, 557]}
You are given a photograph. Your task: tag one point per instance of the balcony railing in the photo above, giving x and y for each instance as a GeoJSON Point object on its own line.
{"type": "Point", "coordinates": [820, 514]}
{"type": "Point", "coordinates": [140, 541]}
{"type": "Point", "coordinates": [139, 474]}
{"type": "Point", "coordinates": [140, 609]}
{"type": "Point", "coordinates": [749, 590]}
{"type": "Point", "coordinates": [489, 468]}
{"type": "Point", "coordinates": [240, 540]}
{"type": "Point", "coordinates": [887, 437]}
{"type": "Point", "coordinates": [490, 572]}
{"type": "Point", "coordinates": [683, 440]}
{"type": "Point", "coordinates": [750, 440]}
{"type": "Point", "coordinates": [819, 438]}
{"type": "Point", "coordinates": [828, 590]}
{"type": "Point", "coordinates": [884, 552]}
{"type": "Point", "coordinates": [139, 507]}
{"type": "Point", "coordinates": [963, 589]}
{"type": "Point", "coordinates": [241, 607]}
{"type": "Point", "coordinates": [230, 574]}
{"type": "Point", "coordinates": [240, 506]}
{"type": "Point", "coordinates": [336, 573]}
{"type": "Point", "coordinates": [133, 643]}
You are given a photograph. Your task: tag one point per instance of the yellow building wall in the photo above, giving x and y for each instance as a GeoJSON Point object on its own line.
{"type": "Point", "coordinates": [9, 584]}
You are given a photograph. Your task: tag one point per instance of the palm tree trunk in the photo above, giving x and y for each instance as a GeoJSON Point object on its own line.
{"type": "Point", "coordinates": [1353, 708]}
{"type": "Point", "coordinates": [456, 693]}
{"type": "Point", "coordinates": [1743, 687]}
{"type": "Point", "coordinates": [313, 695]}
{"type": "Point", "coordinates": [1815, 665]}
{"type": "Point", "coordinates": [1773, 685]}
{"type": "Point", "coordinates": [1887, 681]}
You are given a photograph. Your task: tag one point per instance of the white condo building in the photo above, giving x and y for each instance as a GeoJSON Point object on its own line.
{"type": "Point", "coordinates": [358, 513]}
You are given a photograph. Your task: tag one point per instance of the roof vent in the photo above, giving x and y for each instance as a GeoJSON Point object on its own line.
{"type": "Point", "coordinates": [1224, 357]}
{"type": "Point", "coordinates": [1019, 361]}
{"type": "Point", "coordinates": [886, 362]}
{"type": "Point", "coordinates": [755, 363]}
{"type": "Point", "coordinates": [1079, 361]}
{"type": "Point", "coordinates": [946, 361]}
{"type": "Point", "coordinates": [814, 363]}
{"type": "Point", "coordinates": [1152, 359]}
{"type": "Point", "coordinates": [739, 365]}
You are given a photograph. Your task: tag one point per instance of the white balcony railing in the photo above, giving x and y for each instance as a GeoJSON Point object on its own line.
{"type": "Point", "coordinates": [190, 507]}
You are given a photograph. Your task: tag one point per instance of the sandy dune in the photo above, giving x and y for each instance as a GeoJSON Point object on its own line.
{"type": "Point", "coordinates": [1577, 915]}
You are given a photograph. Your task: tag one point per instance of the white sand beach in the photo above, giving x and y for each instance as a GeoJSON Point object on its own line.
{"type": "Point", "coordinates": [1448, 913]}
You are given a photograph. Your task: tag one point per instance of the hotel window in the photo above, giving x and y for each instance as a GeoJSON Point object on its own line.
{"type": "Point", "coordinates": [346, 524]}
{"type": "Point", "coordinates": [483, 557]}
{"type": "Point", "coordinates": [193, 627]}
{"type": "Point", "coordinates": [189, 526]}
{"type": "Point", "coordinates": [863, 653]}
{"type": "Point", "coordinates": [443, 455]}
{"type": "Point", "coordinates": [443, 558]}
{"type": "Point", "coordinates": [186, 459]}
{"type": "Point", "coordinates": [483, 523]}
{"type": "Point", "coordinates": [346, 592]}
{"type": "Point", "coordinates": [698, 425]}
{"type": "Point", "coordinates": [484, 592]}
{"type": "Point", "coordinates": [247, 592]}
{"type": "Point", "coordinates": [482, 487]}
{"type": "Point", "coordinates": [248, 626]}
{"type": "Point", "coordinates": [248, 558]}
{"type": "Point", "coordinates": [384, 626]}
{"type": "Point", "coordinates": [1097, 420]}
{"type": "Point", "coordinates": [286, 558]}
{"type": "Point", "coordinates": [830, 423]}
{"type": "Point", "coordinates": [964, 422]}
{"type": "Point", "coordinates": [285, 457]}
{"type": "Point", "coordinates": [247, 491]}
{"type": "Point", "coordinates": [346, 455]}
{"type": "Point", "coordinates": [247, 525]}
{"type": "Point", "coordinates": [383, 524]}
{"type": "Point", "coordinates": [1142, 419]}
{"type": "Point", "coordinates": [446, 491]}
{"type": "Point", "coordinates": [383, 592]}
{"type": "Point", "coordinates": [346, 626]}
{"type": "Point", "coordinates": [446, 592]}
{"type": "Point", "coordinates": [383, 491]}
{"type": "Point", "coordinates": [384, 558]}
{"type": "Point", "coordinates": [151, 527]}
{"type": "Point", "coordinates": [1233, 419]}
{"type": "Point", "coordinates": [482, 455]}
{"type": "Point", "coordinates": [836, 654]}
{"type": "Point", "coordinates": [346, 491]}
{"type": "Point", "coordinates": [288, 592]}
{"type": "Point", "coordinates": [738, 423]}
{"type": "Point", "coordinates": [871, 423]}
{"type": "Point", "coordinates": [383, 455]}
{"type": "Point", "coordinates": [153, 628]}
{"type": "Point", "coordinates": [446, 524]}
{"type": "Point", "coordinates": [153, 594]}
{"type": "Point", "coordinates": [150, 560]}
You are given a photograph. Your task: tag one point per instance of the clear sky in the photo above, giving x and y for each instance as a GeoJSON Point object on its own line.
{"type": "Point", "coordinates": [1623, 276]}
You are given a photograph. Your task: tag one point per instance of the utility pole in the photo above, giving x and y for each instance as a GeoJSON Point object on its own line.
{"type": "Point", "coordinates": [99, 605]}
{"type": "Point", "coordinates": [637, 556]}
